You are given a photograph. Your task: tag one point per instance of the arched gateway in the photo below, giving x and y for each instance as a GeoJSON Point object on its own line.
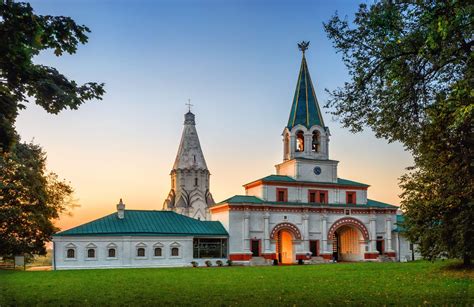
{"type": "Point", "coordinates": [285, 234]}
{"type": "Point", "coordinates": [348, 236]}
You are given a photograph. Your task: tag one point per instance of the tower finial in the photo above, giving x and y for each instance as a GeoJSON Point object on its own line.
{"type": "Point", "coordinates": [189, 105]}
{"type": "Point", "coordinates": [303, 46]}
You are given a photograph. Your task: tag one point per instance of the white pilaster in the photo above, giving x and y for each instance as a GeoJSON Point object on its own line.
{"type": "Point", "coordinates": [388, 232]}
{"type": "Point", "coordinates": [266, 232]}
{"type": "Point", "coordinates": [324, 241]}
{"type": "Point", "coordinates": [246, 232]}
{"type": "Point", "coordinates": [373, 234]}
{"type": "Point", "coordinates": [305, 218]}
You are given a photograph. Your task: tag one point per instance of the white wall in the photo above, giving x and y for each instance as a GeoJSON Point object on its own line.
{"type": "Point", "coordinates": [126, 256]}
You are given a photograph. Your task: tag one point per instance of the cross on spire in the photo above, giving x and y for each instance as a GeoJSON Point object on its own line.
{"type": "Point", "coordinates": [189, 105]}
{"type": "Point", "coordinates": [303, 46]}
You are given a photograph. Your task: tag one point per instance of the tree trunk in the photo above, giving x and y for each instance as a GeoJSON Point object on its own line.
{"type": "Point", "coordinates": [467, 259]}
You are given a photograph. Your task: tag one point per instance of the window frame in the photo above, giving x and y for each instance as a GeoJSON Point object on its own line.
{"type": "Point", "coordinates": [285, 195]}
{"type": "Point", "coordinates": [354, 197]}
{"type": "Point", "coordinates": [172, 247]}
{"type": "Point", "coordinates": [139, 246]}
{"type": "Point", "coordinates": [68, 247]}
{"type": "Point", "coordinates": [109, 247]}
{"type": "Point", "coordinates": [317, 196]}
{"type": "Point", "coordinates": [90, 246]}
{"type": "Point", "coordinates": [160, 246]}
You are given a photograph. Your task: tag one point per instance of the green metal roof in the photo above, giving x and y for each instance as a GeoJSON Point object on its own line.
{"type": "Point", "coordinates": [305, 108]}
{"type": "Point", "coordinates": [243, 199]}
{"type": "Point", "coordinates": [253, 200]}
{"type": "Point", "coordinates": [148, 222]}
{"type": "Point", "coordinates": [340, 181]}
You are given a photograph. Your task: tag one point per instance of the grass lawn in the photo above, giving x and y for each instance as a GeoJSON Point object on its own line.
{"type": "Point", "coordinates": [414, 283]}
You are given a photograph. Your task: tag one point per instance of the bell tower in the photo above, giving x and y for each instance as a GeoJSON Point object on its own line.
{"type": "Point", "coordinates": [305, 137]}
{"type": "Point", "coordinates": [189, 194]}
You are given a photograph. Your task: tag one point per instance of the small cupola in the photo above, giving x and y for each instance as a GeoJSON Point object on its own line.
{"type": "Point", "coordinates": [120, 209]}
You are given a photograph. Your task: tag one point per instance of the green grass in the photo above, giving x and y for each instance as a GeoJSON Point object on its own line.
{"type": "Point", "coordinates": [413, 283]}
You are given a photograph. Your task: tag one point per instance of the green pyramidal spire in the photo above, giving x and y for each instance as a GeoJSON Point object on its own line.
{"type": "Point", "coordinates": [305, 108]}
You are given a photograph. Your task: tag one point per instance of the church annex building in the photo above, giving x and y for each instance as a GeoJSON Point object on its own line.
{"type": "Point", "coordinates": [303, 213]}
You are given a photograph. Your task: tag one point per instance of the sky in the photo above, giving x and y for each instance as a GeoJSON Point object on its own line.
{"type": "Point", "coordinates": [237, 61]}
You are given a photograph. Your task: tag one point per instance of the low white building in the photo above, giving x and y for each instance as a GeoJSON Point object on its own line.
{"type": "Point", "coordinates": [140, 238]}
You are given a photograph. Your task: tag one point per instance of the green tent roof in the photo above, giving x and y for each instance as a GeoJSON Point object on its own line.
{"type": "Point", "coordinates": [253, 200]}
{"type": "Point", "coordinates": [340, 181]}
{"type": "Point", "coordinates": [148, 222]}
{"type": "Point", "coordinates": [305, 108]}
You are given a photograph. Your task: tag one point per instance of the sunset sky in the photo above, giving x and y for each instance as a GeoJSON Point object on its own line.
{"type": "Point", "coordinates": [238, 63]}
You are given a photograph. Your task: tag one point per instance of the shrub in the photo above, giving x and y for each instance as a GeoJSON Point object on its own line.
{"type": "Point", "coordinates": [208, 263]}
{"type": "Point", "coordinates": [195, 264]}
{"type": "Point", "coordinates": [229, 262]}
{"type": "Point", "coordinates": [219, 263]}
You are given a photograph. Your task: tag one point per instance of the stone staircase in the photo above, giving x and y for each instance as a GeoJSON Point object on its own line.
{"type": "Point", "coordinates": [259, 261]}
{"type": "Point", "coordinates": [384, 258]}
{"type": "Point", "coordinates": [315, 260]}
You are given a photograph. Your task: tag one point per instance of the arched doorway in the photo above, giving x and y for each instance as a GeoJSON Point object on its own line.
{"type": "Point", "coordinates": [285, 247]}
{"type": "Point", "coordinates": [349, 237]}
{"type": "Point", "coordinates": [285, 234]}
{"type": "Point", "coordinates": [347, 243]}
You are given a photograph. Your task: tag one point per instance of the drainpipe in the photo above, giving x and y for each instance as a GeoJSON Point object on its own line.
{"type": "Point", "coordinates": [54, 255]}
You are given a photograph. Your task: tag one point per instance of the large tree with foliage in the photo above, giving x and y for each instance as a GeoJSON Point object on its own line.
{"type": "Point", "coordinates": [411, 69]}
{"type": "Point", "coordinates": [31, 197]}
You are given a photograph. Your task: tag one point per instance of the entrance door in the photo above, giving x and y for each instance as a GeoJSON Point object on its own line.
{"type": "Point", "coordinates": [285, 244]}
{"type": "Point", "coordinates": [255, 248]}
{"type": "Point", "coordinates": [380, 246]}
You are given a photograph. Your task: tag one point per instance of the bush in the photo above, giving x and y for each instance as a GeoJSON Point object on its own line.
{"type": "Point", "coordinates": [219, 263]}
{"type": "Point", "coordinates": [208, 263]}
{"type": "Point", "coordinates": [195, 264]}
{"type": "Point", "coordinates": [229, 262]}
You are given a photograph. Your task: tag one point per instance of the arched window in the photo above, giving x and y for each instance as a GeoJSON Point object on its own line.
{"type": "Point", "coordinates": [299, 141]}
{"type": "Point", "coordinates": [140, 252]}
{"type": "Point", "coordinates": [286, 145]}
{"type": "Point", "coordinates": [90, 253]}
{"type": "Point", "coordinates": [112, 253]}
{"type": "Point", "coordinates": [195, 181]}
{"type": "Point", "coordinates": [158, 252]}
{"type": "Point", "coordinates": [175, 252]}
{"type": "Point", "coordinates": [316, 146]}
{"type": "Point", "coordinates": [71, 253]}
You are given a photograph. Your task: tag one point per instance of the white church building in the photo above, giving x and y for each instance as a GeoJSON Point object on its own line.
{"type": "Point", "coordinates": [304, 213]}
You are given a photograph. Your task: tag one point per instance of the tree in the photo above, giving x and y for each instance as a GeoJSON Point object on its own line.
{"type": "Point", "coordinates": [30, 197]}
{"type": "Point", "coordinates": [411, 73]}
{"type": "Point", "coordinates": [24, 35]}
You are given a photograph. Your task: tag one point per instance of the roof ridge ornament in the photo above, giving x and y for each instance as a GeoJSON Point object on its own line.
{"type": "Point", "coordinates": [303, 46]}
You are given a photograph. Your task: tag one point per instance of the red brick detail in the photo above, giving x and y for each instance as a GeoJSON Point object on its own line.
{"type": "Point", "coordinates": [286, 226]}
{"type": "Point", "coordinates": [391, 254]}
{"type": "Point", "coordinates": [240, 257]}
{"type": "Point", "coordinates": [350, 222]}
{"type": "Point", "coordinates": [326, 256]}
{"type": "Point", "coordinates": [269, 256]}
{"type": "Point", "coordinates": [371, 255]}
{"type": "Point", "coordinates": [302, 257]}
